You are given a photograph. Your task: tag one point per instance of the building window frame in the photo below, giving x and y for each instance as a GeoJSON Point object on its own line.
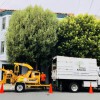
{"type": "Point", "coordinates": [2, 47]}
{"type": "Point", "coordinates": [3, 23]}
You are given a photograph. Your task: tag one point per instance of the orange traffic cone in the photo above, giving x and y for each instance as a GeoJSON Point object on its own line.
{"type": "Point", "coordinates": [2, 89]}
{"type": "Point", "coordinates": [50, 89]}
{"type": "Point", "coordinates": [90, 89]}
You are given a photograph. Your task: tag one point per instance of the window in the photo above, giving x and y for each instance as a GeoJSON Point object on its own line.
{"type": "Point", "coordinates": [3, 22]}
{"type": "Point", "coordinates": [2, 46]}
{"type": "Point", "coordinates": [54, 64]}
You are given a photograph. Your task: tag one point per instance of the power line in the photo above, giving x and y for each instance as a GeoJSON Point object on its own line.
{"type": "Point", "coordinates": [90, 5]}
{"type": "Point", "coordinates": [97, 11]}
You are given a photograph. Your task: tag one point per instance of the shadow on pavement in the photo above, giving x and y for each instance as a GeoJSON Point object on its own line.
{"type": "Point", "coordinates": [46, 90]}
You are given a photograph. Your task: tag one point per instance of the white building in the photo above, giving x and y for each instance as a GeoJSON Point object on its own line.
{"type": "Point", "coordinates": [4, 22]}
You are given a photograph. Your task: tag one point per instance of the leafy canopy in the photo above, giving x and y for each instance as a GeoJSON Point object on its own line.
{"type": "Point", "coordinates": [79, 37]}
{"type": "Point", "coordinates": [31, 35]}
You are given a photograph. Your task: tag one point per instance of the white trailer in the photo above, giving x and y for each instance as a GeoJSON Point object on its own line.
{"type": "Point", "coordinates": [74, 73]}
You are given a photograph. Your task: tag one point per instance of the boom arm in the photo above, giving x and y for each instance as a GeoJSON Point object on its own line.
{"type": "Point", "coordinates": [7, 71]}
{"type": "Point", "coordinates": [24, 65]}
{"type": "Point", "coordinates": [4, 70]}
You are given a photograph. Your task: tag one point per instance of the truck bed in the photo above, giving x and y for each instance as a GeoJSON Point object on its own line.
{"type": "Point", "coordinates": [75, 68]}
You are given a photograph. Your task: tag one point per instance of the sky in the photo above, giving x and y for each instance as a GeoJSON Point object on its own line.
{"type": "Point", "coordinates": [58, 6]}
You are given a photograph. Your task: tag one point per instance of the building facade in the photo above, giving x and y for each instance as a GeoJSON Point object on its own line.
{"type": "Point", "coordinates": [4, 23]}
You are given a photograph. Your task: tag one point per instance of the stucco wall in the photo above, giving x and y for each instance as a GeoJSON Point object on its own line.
{"type": "Point", "coordinates": [3, 56]}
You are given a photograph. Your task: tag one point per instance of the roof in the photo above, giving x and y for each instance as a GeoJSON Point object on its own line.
{"type": "Point", "coordinates": [2, 10]}
{"type": "Point", "coordinates": [9, 11]}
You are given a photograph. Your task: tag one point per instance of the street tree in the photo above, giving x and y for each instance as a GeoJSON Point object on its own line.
{"type": "Point", "coordinates": [31, 35]}
{"type": "Point", "coordinates": [79, 36]}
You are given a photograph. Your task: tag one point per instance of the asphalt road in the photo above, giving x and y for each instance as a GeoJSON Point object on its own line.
{"type": "Point", "coordinates": [44, 95]}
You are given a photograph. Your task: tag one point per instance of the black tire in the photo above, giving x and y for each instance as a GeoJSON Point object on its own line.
{"type": "Point", "coordinates": [20, 87]}
{"type": "Point", "coordinates": [74, 87]}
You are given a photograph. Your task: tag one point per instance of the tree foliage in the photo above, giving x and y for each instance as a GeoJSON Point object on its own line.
{"type": "Point", "coordinates": [79, 37]}
{"type": "Point", "coordinates": [31, 35]}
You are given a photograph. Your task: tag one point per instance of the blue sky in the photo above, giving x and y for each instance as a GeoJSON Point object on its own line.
{"type": "Point", "coordinates": [64, 6]}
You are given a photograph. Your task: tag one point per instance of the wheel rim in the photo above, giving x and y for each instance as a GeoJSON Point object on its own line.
{"type": "Point", "coordinates": [74, 87]}
{"type": "Point", "coordinates": [19, 88]}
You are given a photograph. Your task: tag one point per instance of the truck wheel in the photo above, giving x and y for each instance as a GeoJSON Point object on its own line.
{"type": "Point", "coordinates": [74, 87]}
{"type": "Point", "coordinates": [19, 87]}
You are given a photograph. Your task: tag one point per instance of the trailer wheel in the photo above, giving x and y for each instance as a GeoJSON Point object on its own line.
{"type": "Point", "coordinates": [74, 87]}
{"type": "Point", "coordinates": [19, 87]}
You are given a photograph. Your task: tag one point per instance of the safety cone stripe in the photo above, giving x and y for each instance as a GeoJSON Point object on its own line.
{"type": "Point", "coordinates": [90, 89]}
{"type": "Point", "coordinates": [50, 89]}
{"type": "Point", "coordinates": [2, 89]}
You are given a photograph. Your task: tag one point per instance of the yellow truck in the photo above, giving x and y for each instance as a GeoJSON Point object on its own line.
{"type": "Point", "coordinates": [29, 80]}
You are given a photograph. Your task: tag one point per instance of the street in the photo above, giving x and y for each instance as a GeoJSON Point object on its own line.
{"type": "Point", "coordinates": [44, 95]}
